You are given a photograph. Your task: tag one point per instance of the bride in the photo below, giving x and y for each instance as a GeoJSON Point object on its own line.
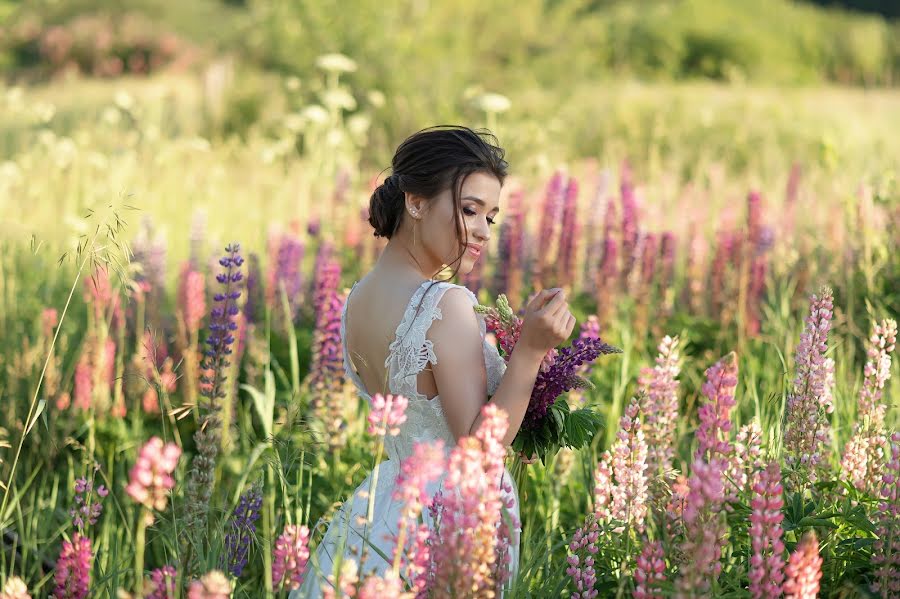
{"type": "Point", "coordinates": [406, 333]}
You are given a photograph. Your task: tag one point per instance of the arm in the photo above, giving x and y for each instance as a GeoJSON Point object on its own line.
{"type": "Point", "coordinates": [460, 376]}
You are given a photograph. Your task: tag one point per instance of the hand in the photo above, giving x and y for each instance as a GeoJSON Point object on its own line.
{"type": "Point", "coordinates": [547, 321]}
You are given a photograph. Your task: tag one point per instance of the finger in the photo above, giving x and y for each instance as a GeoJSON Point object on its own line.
{"type": "Point", "coordinates": [541, 299]}
{"type": "Point", "coordinates": [557, 306]}
{"type": "Point", "coordinates": [570, 325]}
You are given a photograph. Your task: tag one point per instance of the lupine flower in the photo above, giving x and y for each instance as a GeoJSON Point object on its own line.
{"type": "Point", "coordinates": [343, 582]}
{"type": "Point", "coordinates": [86, 512]}
{"type": "Point", "coordinates": [745, 461]}
{"type": "Point", "coordinates": [551, 213]}
{"type": "Point", "coordinates": [807, 428]}
{"type": "Point", "coordinates": [877, 371]}
{"type": "Point", "coordinates": [151, 479]}
{"type": "Point", "coordinates": [561, 377]}
{"type": "Point", "coordinates": [99, 293]}
{"type": "Point", "coordinates": [464, 551]}
{"type": "Point", "coordinates": [168, 381]}
{"type": "Point", "coordinates": [628, 494]}
{"type": "Point", "coordinates": [570, 234]}
{"type": "Point", "coordinates": [285, 257]}
{"type": "Point", "coordinates": [725, 241]}
{"type": "Point", "coordinates": [241, 530]}
{"type": "Point", "coordinates": [162, 583]}
{"type": "Point", "coordinates": [804, 569]}
{"type": "Point", "coordinates": [863, 458]}
{"type": "Point", "coordinates": [582, 549]}
{"type": "Point", "coordinates": [608, 275]}
{"type": "Point", "coordinates": [886, 550]}
{"type": "Point", "coordinates": [289, 557]}
{"type": "Point", "coordinates": [215, 365]}
{"type": "Point", "coordinates": [649, 258]}
{"type": "Point", "coordinates": [389, 585]}
{"type": "Point", "coordinates": [73, 568]}
{"type": "Point", "coordinates": [191, 298]}
{"type": "Point", "coordinates": [14, 589]}
{"type": "Point", "coordinates": [667, 270]}
{"type": "Point", "coordinates": [212, 585]}
{"type": "Point", "coordinates": [326, 375]}
{"type": "Point", "coordinates": [704, 530]}
{"type": "Point", "coordinates": [630, 226]}
{"type": "Point", "coordinates": [508, 267]}
{"type": "Point", "coordinates": [650, 571]}
{"type": "Point", "coordinates": [253, 307]}
{"type": "Point", "coordinates": [715, 413]}
{"type": "Point", "coordinates": [386, 415]}
{"type": "Point", "coordinates": [767, 562]}
{"type": "Point", "coordinates": [659, 390]}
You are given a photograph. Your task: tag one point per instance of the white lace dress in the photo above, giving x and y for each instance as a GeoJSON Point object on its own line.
{"type": "Point", "coordinates": [410, 353]}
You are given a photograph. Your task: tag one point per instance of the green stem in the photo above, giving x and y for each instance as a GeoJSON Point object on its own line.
{"type": "Point", "coordinates": [139, 552]}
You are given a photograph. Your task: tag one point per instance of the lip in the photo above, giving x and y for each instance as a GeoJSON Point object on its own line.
{"type": "Point", "coordinates": [474, 250]}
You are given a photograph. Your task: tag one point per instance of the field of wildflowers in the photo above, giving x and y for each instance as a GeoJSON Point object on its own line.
{"type": "Point", "coordinates": [174, 419]}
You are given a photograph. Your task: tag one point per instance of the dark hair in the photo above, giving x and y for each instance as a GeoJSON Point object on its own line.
{"type": "Point", "coordinates": [429, 162]}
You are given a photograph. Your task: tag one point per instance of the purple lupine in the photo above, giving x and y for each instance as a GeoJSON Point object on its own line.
{"type": "Point", "coordinates": [649, 258]}
{"type": "Point", "coordinates": [149, 248]}
{"type": "Point", "coordinates": [715, 413]}
{"type": "Point", "coordinates": [570, 233]}
{"type": "Point", "coordinates": [86, 511]}
{"type": "Point", "coordinates": [704, 530]}
{"type": "Point", "coordinates": [719, 269]}
{"type": "Point", "coordinates": [809, 403]}
{"type": "Point", "coordinates": [254, 305]}
{"type": "Point", "coordinates": [767, 562]}
{"type": "Point", "coordinates": [326, 374]}
{"type": "Point", "coordinates": [667, 268]}
{"type": "Point", "coordinates": [551, 213]}
{"type": "Point", "coordinates": [630, 225]}
{"type": "Point", "coordinates": [559, 377]}
{"type": "Point", "coordinates": [284, 272]}
{"type": "Point", "coordinates": [659, 387]}
{"type": "Point", "coordinates": [886, 550]}
{"type": "Point", "coordinates": [607, 280]}
{"type": "Point", "coordinates": [241, 530]}
{"type": "Point", "coordinates": [162, 583]}
{"type": "Point", "coordinates": [213, 388]}
{"type": "Point", "coordinates": [594, 229]}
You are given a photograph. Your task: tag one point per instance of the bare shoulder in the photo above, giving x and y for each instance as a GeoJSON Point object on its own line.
{"type": "Point", "coordinates": [458, 321]}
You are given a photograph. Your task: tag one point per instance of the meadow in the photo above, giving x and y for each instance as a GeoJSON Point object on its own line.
{"type": "Point", "coordinates": [163, 436]}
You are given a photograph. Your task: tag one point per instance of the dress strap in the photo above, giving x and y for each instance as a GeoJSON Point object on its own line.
{"type": "Point", "coordinates": [411, 351]}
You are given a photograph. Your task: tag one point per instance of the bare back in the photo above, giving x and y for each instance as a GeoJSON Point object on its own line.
{"type": "Point", "coordinates": [374, 311]}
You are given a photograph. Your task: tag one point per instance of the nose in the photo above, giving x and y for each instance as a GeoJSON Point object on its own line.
{"type": "Point", "coordinates": [483, 231]}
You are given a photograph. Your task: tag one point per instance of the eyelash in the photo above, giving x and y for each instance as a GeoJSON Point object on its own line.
{"type": "Point", "coordinates": [470, 212]}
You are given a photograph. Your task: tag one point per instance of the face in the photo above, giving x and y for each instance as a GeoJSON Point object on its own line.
{"type": "Point", "coordinates": [436, 231]}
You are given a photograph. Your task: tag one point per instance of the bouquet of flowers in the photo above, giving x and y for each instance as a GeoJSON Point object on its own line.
{"type": "Point", "coordinates": [549, 423]}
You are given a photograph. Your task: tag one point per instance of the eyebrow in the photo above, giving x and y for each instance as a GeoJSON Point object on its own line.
{"type": "Point", "coordinates": [477, 200]}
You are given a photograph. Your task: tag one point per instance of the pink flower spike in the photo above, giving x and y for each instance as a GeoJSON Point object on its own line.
{"type": "Point", "coordinates": [804, 570]}
{"type": "Point", "coordinates": [387, 413]}
{"type": "Point", "coordinates": [73, 568]}
{"type": "Point", "coordinates": [151, 476]}
{"type": "Point", "coordinates": [767, 563]}
{"type": "Point", "coordinates": [213, 585]}
{"type": "Point", "coordinates": [289, 557]}
{"type": "Point", "coordinates": [14, 589]}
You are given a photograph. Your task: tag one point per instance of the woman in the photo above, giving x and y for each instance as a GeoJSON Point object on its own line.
{"type": "Point", "coordinates": [406, 333]}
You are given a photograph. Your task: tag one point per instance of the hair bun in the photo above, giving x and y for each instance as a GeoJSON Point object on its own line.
{"type": "Point", "coordinates": [386, 207]}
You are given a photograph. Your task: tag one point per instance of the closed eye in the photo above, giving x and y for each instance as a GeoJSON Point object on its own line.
{"type": "Point", "coordinates": [470, 212]}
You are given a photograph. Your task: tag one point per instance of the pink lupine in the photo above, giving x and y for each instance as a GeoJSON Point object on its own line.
{"type": "Point", "coordinates": [807, 428]}
{"type": "Point", "coordinates": [551, 213]}
{"type": "Point", "coordinates": [380, 587]}
{"type": "Point", "coordinates": [98, 292]}
{"type": "Point", "coordinates": [465, 546]}
{"type": "Point", "coordinates": [877, 371]}
{"type": "Point", "coordinates": [621, 485]}
{"type": "Point", "coordinates": [570, 233]}
{"type": "Point", "coordinates": [426, 464]}
{"type": "Point", "coordinates": [73, 568]}
{"type": "Point", "coordinates": [83, 381]}
{"type": "Point", "coordinates": [715, 413]}
{"type": "Point", "coordinates": [804, 569]}
{"type": "Point", "coordinates": [886, 550]}
{"type": "Point", "coordinates": [162, 583]}
{"type": "Point", "coordinates": [744, 462]}
{"type": "Point", "coordinates": [386, 415]}
{"type": "Point", "coordinates": [151, 479]}
{"type": "Point", "coordinates": [650, 571]}
{"type": "Point", "coordinates": [289, 557]}
{"type": "Point", "coordinates": [583, 548]}
{"type": "Point", "coordinates": [863, 458]}
{"type": "Point", "coordinates": [191, 298]}
{"type": "Point", "coordinates": [343, 582]}
{"type": "Point", "coordinates": [767, 562]}
{"type": "Point", "coordinates": [704, 530]}
{"type": "Point", "coordinates": [14, 589]}
{"type": "Point", "coordinates": [659, 389]}
{"type": "Point", "coordinates": [212, 585]}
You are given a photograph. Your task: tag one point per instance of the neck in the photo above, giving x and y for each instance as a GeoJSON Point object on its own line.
{"type": "Point", "coordinates": [400, 255]}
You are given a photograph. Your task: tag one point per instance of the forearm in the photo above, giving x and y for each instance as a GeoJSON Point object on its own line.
{"type": "Point", "coordinates": [514, 391]}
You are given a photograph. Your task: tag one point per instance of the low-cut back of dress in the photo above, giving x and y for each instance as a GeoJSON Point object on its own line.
{"type": "Point", "coordinates": [409, 354]}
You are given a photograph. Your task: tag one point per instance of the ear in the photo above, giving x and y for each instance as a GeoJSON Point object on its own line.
{"type": "Point", "coordinates": [415, 205]}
